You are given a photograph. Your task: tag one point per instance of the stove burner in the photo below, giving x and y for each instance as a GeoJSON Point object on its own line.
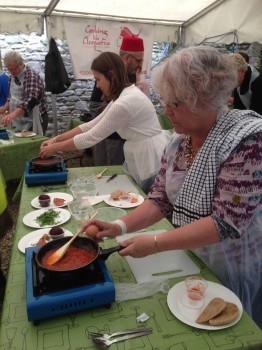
{"type": "Point", "coordinates": [72, 297]}
{"type": "Point", "coordinates": [44, 284]}
{"type": "Point", "coordinates": [57, 174]}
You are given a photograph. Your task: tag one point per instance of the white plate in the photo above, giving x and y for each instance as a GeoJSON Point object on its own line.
{"type": "Point", "coordinates": [19, 134]}
{"type": "Point", "coordinates": [93, 200]}
{"type": "Point", "coordinates": [123, 203]}
{"type": "Point", "coordinates": [29, 219]}
{"type": "Point", "coordinates": [188, 316]}
{"type": "Point", "coordinates": [32, 238]}
{"type": "Point", "coordinates": [67, 197]}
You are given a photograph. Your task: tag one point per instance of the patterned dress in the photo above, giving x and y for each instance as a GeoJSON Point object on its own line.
{"type": "Point", "coordinates": [224, 182]}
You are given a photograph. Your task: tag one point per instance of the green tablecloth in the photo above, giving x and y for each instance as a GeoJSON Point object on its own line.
{"type": "Point", "coordinates": [72, 331]}
{"type": "Point", "coordinates": [14, 156]}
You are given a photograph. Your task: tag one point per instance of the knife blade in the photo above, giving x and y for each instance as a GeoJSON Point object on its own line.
{"type": "Point", "coordinates": [111, 177]}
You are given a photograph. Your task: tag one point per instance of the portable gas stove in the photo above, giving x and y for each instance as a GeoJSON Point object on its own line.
{"type": "Point", "coordinates": [47, 298]}
{"type": "Point", "coordinates": [54, 175]}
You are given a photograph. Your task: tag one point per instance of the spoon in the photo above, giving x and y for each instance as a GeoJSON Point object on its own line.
{"type": "Point", "coordinates": [98, 176]}
{"type": "Point", "coordinates": [59, 253]}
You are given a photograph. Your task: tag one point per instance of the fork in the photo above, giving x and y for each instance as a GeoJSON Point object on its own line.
{"type": "Point", "coordinates": [48, 189]}
{"type": "Point", "coordinates": [124, 332]}
{"type": "Point", "coordinates": [104, 343]}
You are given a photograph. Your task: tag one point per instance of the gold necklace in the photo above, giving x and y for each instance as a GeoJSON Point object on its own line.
{"type": "Point", "coordinates": [189, 152]}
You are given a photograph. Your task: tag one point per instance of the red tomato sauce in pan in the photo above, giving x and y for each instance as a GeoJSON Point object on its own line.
{"type": "Point", "coordinates": [75, 257]}
{"type": "Point", "coordinates": [44, 161]}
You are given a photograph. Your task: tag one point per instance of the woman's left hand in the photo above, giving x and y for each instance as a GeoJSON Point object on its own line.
{"type": "Point", "coordinates": [7, 119]}
{"type": "Point", "coordinates": [138, 246]}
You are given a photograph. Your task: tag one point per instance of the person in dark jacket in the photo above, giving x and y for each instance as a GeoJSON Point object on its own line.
{"type": "Point", "coordinates": [247, 94]}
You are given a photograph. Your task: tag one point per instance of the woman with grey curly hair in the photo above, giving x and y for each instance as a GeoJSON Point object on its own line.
{"type": "Point", "coordinates": [210, 180]}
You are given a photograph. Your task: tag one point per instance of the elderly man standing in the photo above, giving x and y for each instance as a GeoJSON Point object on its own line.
{"type": "Point", "coordinates": [110, 150]}
{"type": "Point", "coordinates": [26, 108]}
{"type": "Point", "coordinates": [247, 94]}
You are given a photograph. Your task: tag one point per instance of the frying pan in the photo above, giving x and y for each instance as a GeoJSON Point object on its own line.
{"type": "Point", "coordinates": [47, 162]}
{"type": "Point", "coordinates": [86, 243]}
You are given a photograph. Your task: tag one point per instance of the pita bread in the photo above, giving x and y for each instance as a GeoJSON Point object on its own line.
{"type": "Point", "coordinates": [228, 315]}
{"type": "Point", "coordinates": [214, 308]}
{"type": "Point", "coordinates": [117, 194]}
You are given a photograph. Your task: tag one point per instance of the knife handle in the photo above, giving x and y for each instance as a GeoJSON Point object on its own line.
{"type": "Point", "coordinates": [111, 177]}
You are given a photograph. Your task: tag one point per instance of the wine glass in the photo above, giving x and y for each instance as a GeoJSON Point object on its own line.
{"type": "Point", "coordinates": [81, 211]}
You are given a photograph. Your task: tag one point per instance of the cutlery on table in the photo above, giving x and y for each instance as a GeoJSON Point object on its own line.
{"type": "Point", "coordinates": [48, 189]}
{"type": "Point", "coordinates": [111, 177]}
{"type": "Point", "coordinates": [59, 253]}
{"type": "Point", "coordinates": [103, 341]}
{"type": "Point", "coordinates": [98, 176]}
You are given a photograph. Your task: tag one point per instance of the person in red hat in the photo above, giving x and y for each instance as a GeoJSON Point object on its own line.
{"type": "Point", "coordinates": [110, 151]}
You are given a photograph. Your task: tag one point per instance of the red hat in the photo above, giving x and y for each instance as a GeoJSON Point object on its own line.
{"type": "Point", "coordinates": [132, 43]}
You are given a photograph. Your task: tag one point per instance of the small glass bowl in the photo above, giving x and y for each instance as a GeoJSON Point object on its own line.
{"type": "Point", "coordinates": [195, 290]}
{"type": "Point", "coordinates": [56, 232]}
{"type": "Point", "coordinates": [44, 200]}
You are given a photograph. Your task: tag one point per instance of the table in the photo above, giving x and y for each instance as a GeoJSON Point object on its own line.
{"type": "Point", "coordinates": [13, 156]}
{"type": "Point", "coordinates": [72, 331]}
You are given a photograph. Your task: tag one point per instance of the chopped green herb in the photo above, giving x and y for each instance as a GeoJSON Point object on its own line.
{"type": "Point", "coordinates": [48, 218]}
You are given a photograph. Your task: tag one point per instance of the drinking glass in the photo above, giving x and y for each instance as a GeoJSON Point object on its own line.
{"type": "Point", "coordinates": [82, 189]}
{"type": "Point", "coordinates": [81, 211]}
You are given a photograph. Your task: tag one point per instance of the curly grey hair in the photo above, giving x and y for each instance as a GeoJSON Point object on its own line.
{"type": "Point", "coordinates": [200, 76]}
{"type": "Point", "coordinates": [13, 57]}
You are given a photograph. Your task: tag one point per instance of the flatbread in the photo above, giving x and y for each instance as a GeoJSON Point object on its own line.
{"type": "Point", "coordinates": [117, 194]}
{"type": "Point", "coordinates": [228, 315]}
{"type": "Point", "coordinates": [214, 308]}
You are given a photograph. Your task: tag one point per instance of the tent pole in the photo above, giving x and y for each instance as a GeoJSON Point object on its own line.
{"type": "Point", "coordinates": [53, 96]}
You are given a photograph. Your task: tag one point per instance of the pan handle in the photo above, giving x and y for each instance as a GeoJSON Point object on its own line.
{"type": "Point", "coordinates": [104, 253]}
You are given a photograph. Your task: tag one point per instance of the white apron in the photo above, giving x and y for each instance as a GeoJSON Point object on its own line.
{"type": "Point", "coordinates": [22, 123]}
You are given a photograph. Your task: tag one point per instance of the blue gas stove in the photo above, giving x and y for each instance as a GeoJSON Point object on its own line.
{"type": "Point", "coordinates": [36, 176]}
{"type": "Point", "coordinates": [49, 298]}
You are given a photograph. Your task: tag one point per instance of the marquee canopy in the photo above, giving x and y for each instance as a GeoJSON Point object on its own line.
{"type": "Point", "coordinates": [198, 19]}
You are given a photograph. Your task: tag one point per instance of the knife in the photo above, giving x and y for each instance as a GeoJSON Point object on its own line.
{"type": "Point", "coordinates": [111, 177]}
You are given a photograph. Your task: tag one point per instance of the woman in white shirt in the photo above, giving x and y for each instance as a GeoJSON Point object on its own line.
{"type": "Point", "coordinates": [130, 113]}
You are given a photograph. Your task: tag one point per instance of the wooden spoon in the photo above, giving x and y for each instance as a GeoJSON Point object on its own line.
{"type": "Point", "coordinates": [98, 176]}
{"type": "Point", "coordinates": [59, 253]}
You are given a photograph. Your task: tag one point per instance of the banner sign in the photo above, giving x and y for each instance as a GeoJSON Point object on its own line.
{"type": "Point", "coordinates": [88, 38]}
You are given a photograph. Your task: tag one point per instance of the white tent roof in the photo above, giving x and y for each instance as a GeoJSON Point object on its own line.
{"type": "Point", "coordinates": [199, 19]}
{"type": "Point", "coordinates": [172, 11]}
{"type": "Point", "coordinates": [167, 15]}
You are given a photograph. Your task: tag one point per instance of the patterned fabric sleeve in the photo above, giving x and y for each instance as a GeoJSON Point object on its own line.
{"type": "Point", "coordinates": [239, 188]}
{"type": "Point", "coordinates": [157, 192]}
{"type": "Point", "coordinates": [33, 88]}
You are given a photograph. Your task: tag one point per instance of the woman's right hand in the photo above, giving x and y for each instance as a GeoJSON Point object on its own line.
{"type": "Point", "coordinates": [105, 229]}
{"type": "Point", "coordinates": [47, 143]}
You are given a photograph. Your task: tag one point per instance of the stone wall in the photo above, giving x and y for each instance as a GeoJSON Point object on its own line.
{"type": "Point", "coordinates": [73, 103]}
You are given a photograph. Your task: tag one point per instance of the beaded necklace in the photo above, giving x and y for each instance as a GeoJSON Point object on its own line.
{"type": "Point", "coordinates": [189, 152]}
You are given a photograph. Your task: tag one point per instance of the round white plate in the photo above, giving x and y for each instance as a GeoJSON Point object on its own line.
{"type": "Point", "coordinates": [19, 134]}
{"type": "Point", "coordinates": [67, 197]}
{"type": "Point", "coordinates": [110, 214]}
{"type": "Point", "coordinates": [32, 238]}
{"type": "Point", "coordinates": [29, 219]}
{"type": "Point", "coordinates": [123, 203]}
{"type": "Point", "coordinates": [188, 316]}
